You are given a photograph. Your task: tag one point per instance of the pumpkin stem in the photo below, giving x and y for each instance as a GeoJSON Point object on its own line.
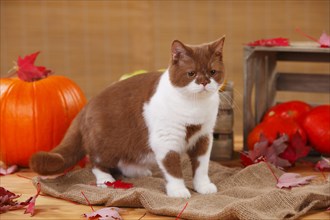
{"type": "Point", "coordinates": [13, 70]}
{"type": "Point", "coordinates": [27, 71]}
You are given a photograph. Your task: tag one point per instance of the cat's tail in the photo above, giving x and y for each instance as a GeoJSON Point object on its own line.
{"type": "Point", "coordinates": [68, 153]}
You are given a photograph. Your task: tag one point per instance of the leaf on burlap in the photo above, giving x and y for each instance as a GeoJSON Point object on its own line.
{"type": "Point", "coordinates": [118, 184]}
{"type": "Point", "coordinates": [288, 180]}
{"type": "Point", "coordinates": [110, 213]}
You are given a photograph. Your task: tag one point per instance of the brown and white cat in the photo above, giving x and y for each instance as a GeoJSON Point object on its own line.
{"type": "Point", "coordinates": [146, 119]}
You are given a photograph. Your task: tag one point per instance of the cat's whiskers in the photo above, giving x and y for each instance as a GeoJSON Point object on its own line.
{"type": "Point", "coordinates": [240, 96]}
{"type": "Point", "coordinates": [229, 99]}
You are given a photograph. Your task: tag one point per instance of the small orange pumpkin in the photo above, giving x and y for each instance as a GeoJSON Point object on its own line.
{"type": "Point", "coordinates": [35, 115]}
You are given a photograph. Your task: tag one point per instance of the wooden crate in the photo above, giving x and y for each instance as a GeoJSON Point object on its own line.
{"type": "Point", "coordinates": [261, 76]}
{"type": "Point", "coordinates": [223, 147]}
{"type": "Point", "coordinates": [223, 143]}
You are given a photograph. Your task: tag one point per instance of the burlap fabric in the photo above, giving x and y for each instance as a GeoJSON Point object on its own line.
{"type": "Point", "coordinates": [248, 193]}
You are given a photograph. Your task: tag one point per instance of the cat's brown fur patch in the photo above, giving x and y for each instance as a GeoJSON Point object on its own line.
{"type": "Point", "coordinates": [199, 149]}
{"type": "Point", "coordinates": [111, 127]}
{"type": "Point", "coordinates": [191, 130]}
{"type": "Point", "coordinates": [172, 164]}
{"type": "Point", "coordinates": [108, 142]}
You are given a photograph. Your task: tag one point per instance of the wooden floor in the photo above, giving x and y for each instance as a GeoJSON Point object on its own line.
{"type": "Point", "coordinates": [52, 208]}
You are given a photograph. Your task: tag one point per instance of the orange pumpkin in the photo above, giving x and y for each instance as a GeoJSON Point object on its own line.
{"type": "Point", "coordinates": [35, 115]}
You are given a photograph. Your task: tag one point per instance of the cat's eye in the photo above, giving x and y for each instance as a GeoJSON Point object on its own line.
{"type": "Point", "coordinates": [213, 72]}
{"type": "Point", "coordinates": [191, 73]}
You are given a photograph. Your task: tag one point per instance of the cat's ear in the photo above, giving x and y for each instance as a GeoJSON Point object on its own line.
{"type": "Point", "coordinates": [217, 46]}
{"type": "Point", "coordinates": [178, 50]}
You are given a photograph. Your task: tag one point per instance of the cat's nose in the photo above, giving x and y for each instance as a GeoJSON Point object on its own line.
{"type": "Point", "coordinates": [204, 83]}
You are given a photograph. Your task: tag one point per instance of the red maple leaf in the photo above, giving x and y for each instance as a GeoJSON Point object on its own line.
{"type": "Point", "coordinates": [246, 160]}
{"type": "Point", "coordinates": [32, 203]}
{"type": "Point", "coordinates": [110, 213]}
{"type": "Point", "coordinates": [118, 184]}
{"type": "Point", "coordinates": [323, 164]}
{"type": "Point", "coordinates": [288, 180]}
{"type": "Point", "coordinates": [27, 71]}
{"type": "Point", "coordinates": [260, 148]}
{"type": "Point", "coordinates": [279, 41]}
{"type": "Point", "coordinates": [8, 170]}
{"type": "Point", "coordinates": [281, 153]}
{"type": "Point", "coordinates": [278, 146]}
{"type": "Point", "coordinates": [264, 151]}
{"type": "Point", "coordinates": [296, 149]}
{"type": "Point", "coordinates": [324, 39]}
{"type": "Point", "coordinates": [8, 201]}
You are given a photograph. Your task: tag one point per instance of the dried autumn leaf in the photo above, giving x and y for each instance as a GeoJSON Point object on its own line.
{"type": "Point", "coordinates": [260, 148]}
{"type": "Point", "coordinates": [324, 40]}
{"type": "Point", "coordinates": [264, 151]}
{"type": "Point", "coordinates": [8, 170]}
{"type": "Point", "coordinates": [27, 71]}
{"type": "Point", "coordinates": [111, 213]}
{"type": "Point", "coordinates": [245, 159]}
{"type": "Point", "coordinates": [279, 41]}
{"type": "Point", "coordinates": [279, 146]}
{"type": "Point", "coordinates": [296, 149]}
{"type": "Point", "coordinates": [118, 184]}
{"type": "Point", "coordinates": [8, 201]}
{"type": "Point", "coordinates": [32, 203]}
{"type": "Point", "coordinates": [288, 180]}
{"type": "Point", "coordinates": [323, 164]}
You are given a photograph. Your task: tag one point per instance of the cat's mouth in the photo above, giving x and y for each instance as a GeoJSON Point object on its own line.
{"type": "Point", "coordinates": [204, 90]}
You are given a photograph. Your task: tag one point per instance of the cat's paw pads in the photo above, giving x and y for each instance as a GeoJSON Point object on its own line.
{"type": "Point", "coordinates": [178, 191]}
{"type": "Point", "coordinates": [206, 188]}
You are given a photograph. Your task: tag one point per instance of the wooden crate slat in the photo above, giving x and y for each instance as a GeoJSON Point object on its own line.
{"type": "Point", "coordinates": [304, 57]}
{"type": "Point", "coordinates": [300, 82]}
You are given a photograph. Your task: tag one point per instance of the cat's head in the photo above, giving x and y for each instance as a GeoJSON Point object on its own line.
{"type": "Point", "coordinates": [197, 69]}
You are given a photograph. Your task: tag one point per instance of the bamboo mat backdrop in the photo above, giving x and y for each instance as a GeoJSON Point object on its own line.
{"type": "Point", "coordinates": [95, 42]}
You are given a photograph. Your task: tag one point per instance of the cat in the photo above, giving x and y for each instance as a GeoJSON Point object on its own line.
{"type": "Point", "coordinates": [149, 119]}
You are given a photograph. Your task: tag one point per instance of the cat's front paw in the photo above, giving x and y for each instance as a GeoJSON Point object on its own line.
{"type": "Point", "coordinates": [101, 182]}
{"type": "Point", "coordinates": [102, 177]}
{"type": "Point", "coordinates": [206, 188]}
{"type": "Point", "coordinates": [177, 191]}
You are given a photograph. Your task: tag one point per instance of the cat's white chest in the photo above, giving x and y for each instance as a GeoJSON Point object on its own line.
{"type": "Point", "coordinates": [168, 114]}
